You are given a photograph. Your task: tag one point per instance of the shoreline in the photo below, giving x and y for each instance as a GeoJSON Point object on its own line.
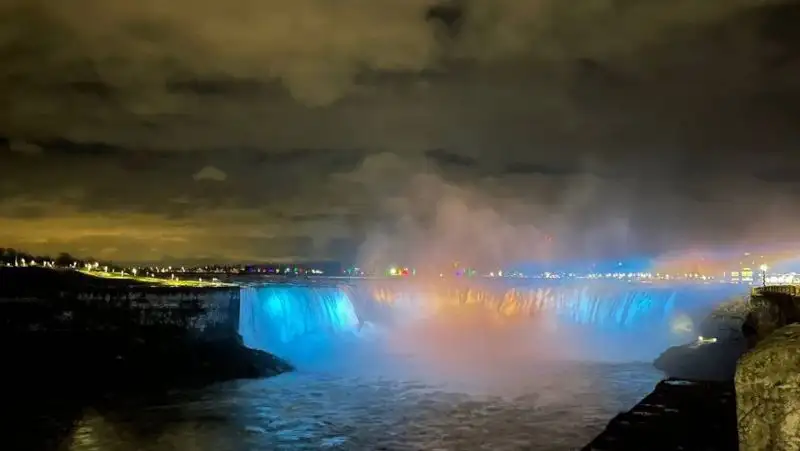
{"type": "Point", "coordinates": [53, 378]}
{"type": "Point", "coordinates": [692, 408]}
{"type": "Point", "coordinates": [70, 342]}
{"type": "Point", "coordinates": [677, 414]}
{"type": "Point", "coordinates": [110, 344]}
{"type": "Point", "coordinates": [692, 413]}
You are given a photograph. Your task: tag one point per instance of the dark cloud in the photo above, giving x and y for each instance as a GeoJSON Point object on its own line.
{"type": "Point", "coordinates": [413, 126]}
{"type": "Point", "coordinates": [79, 149]}
{"type": "Point", "coordinates": [25, 148]}
{"type": "Point", "coordinates": [445, 158]}
{"type": "Point", "coordinates": [538, 169]}
{"type": "Point", "coordinates": [135, 73]}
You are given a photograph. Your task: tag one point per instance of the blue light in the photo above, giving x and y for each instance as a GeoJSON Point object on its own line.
{"type": "Point", "coordinates": [616, 309]}
{"type": "Point", "coordinates": [274, 316]}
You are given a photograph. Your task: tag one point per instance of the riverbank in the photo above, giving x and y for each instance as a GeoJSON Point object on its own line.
{"type": "Point", "coordinates": [111, 332]}
{"type": "Point", "coordinates": [677, 415]}
{"type": "Point", "coordinates": [700, 411]}
{"type": "Point", "coordinates": [51, 378]}
{"type": "Point", "coordinates": [95, 362]}
{"type": "Point", "coordinates": [70, 341]}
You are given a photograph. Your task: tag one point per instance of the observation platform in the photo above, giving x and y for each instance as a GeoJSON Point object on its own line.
{"type": "Point", "coordinates": [791, 290]}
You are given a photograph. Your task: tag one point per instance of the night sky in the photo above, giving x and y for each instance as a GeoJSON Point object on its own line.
{"type": "Point", "coordinates": [484, 130]}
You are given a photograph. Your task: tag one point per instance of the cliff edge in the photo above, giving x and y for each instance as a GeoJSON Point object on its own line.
{"type": "Point", "coordinates": [768, 393]}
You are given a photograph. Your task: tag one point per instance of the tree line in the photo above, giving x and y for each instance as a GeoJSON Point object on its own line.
{"type": "Point", "coordinates": [11, 256]}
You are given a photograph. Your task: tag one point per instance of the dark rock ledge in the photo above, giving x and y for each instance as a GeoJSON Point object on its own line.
{"type": "Point", "coordinates": [677, 415]}
{"type": "Point", "coordinates": [758, 412]}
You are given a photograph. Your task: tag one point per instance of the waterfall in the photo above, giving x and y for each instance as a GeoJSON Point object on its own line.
{"type": "Point", "coordinates": [272, 316]}
{"type": "Point", "coordinates": [626, 309]}
{"type": "Point", "coordinates": [605, 307]}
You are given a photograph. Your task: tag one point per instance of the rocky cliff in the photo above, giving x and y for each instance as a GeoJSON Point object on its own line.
{"type": "Point", "coordinates": [768, 376]}
{"type": "Point", "coordinates": [769, 312]}
{"type": "Point", "coordinates": [768, 392]}
{"type": "Point", "coordinates": [713, 356]}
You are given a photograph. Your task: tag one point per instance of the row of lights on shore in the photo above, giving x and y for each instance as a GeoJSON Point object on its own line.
{"type": "Point", "coordinates": [552, 275]}
{"type": "Point", "coordinates": [788, 278]}
{"type": "Point", "coordinates": [22, 263]}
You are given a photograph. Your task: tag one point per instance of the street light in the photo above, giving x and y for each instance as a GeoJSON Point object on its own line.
{"type": "Point", "coordinates": [763, 269]}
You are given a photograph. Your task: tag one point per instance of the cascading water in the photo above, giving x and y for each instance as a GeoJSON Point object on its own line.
{"type": "Point", "coordinates": [272, 317]}
{"type": "Point", "coordinates": [625, 310]}
{"type": "Point", "coordinates": [622, 321]}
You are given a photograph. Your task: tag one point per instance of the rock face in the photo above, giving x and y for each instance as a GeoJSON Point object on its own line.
{"type": "Point", "coordinates": [768, 393]}
{"type": "Point", "coordinates": [725, 322]}
{"type": "Point", "coordinates": [701, 361]}
{"type": "Point", "coordinates": [769, 312]}
{"type": "Point", "coordinates": [713, 359]}
{"type": "Point", "coordinates": [676, 415]}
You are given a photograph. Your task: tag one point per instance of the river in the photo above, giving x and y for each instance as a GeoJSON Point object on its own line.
{"type": "Point", "coordinates": [447, 380]}
{"type": "Point", "coordinates": [560, 408]}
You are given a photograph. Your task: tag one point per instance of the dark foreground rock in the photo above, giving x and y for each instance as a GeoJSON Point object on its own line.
{"type": "Point", "coordinates": [69, 342]}
{"type": "Point", "coordinates": [677, 415]}
{"type": "Point", "coordinates": [50, 378]}
{"type": "Point", "coordinates": [711, 361]}
{"type": "Point", "coordinates": [768, 313]}
{"type": "Point", "coordinates": [763, 333]}
{"type": "Point", "coordinates": [713, 355]}
{"type": "Point", "coordinates": [94, 362]}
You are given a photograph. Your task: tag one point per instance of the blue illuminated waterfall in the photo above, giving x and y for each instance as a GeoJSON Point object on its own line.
{"type": "Point", "coordinates": [275, 315]}
{"type": "Point", "coordinates": [618, 309]}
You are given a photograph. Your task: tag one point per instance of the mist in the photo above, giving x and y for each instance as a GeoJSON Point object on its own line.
{"type": "Point", "coordinates": [483, 336]}
{"type": "Point", "coordinates": [429, 221]}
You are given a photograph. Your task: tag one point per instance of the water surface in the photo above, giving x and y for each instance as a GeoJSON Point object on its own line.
{"type": "Point", "coordinates": [561, 407]}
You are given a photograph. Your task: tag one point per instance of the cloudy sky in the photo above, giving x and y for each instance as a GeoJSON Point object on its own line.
{"type": "Point", "coordinates": [413, 130]}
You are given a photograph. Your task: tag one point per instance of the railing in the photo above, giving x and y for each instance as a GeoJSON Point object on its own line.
{"type": "Point", "coordinates": [791, 290]}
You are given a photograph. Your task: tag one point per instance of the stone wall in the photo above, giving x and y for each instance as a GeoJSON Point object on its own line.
{"type": "Point", "coordinates": [207, 313]}
{"type": "Point", "coordinates": [768, 393]}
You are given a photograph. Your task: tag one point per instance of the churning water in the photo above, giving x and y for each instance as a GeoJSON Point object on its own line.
{"type": "Point", "coordinates": [404, 367]}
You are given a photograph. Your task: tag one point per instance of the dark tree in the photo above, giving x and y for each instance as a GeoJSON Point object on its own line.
{"type": "Point", "coordinates": [64, 259]}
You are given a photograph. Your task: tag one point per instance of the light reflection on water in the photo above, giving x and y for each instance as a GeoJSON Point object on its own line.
{"type": "Point", "coordinates": [564, 408]}
{"type": "Point", "coordinates": [451, 386]}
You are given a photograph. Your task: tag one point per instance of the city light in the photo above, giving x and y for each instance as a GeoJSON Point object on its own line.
{"type": "Point", "coordinates": [745, 271]}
